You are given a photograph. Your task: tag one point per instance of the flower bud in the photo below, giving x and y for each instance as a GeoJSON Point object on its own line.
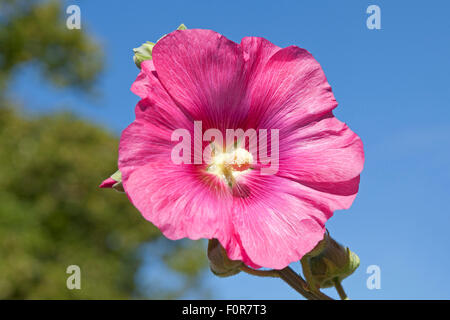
{"type": "Point", "coordinates": [143, 53]}
{"type": "Point", "coordinates": [219, 262]}
{"type": "Point", "coordinates": [115, 182]}
{"type": "Point", "coordinates": [328, 262]}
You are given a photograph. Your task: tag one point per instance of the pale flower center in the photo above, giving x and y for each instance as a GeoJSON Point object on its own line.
{"type": "Point", "coordinates": [229, 165]}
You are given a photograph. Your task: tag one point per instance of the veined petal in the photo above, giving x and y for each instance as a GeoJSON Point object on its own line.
{"type": "Point", "coordinates": [203, 72]}
{"type": "Point", "coordinates": [142, 86]}
{"type": "Point", "coordinates": [181, 201]}
{"type": "Point", "coordinates": [325, 155]}
{"type": "Point", "coordinates": [290, 91]}
{"type": "Point", "coordinates": [157, 116]}
{"type": "Point", "coordinates": [277, 223]}
{"type": "Point", "coordinates": [148, 138]}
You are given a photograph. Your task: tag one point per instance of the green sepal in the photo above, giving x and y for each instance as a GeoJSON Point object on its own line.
{"type": "Point", "coordinates": [143, 53]}
{"type": "Point", "coordinates": [327, 262]}
{"type": "Point", "coordinates": [219, 263]}
{"type": "Point", "coordinates": [117, 176]}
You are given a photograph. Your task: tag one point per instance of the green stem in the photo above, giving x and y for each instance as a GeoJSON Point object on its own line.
{"type": "Point", "coordinates": [297, 283]}
{"type": "Point", "coordinates": [291, 278]}
{"type": "Point", "coordinates": [260, 273]}
{"type": "Point", "coordinates": [340, 289]}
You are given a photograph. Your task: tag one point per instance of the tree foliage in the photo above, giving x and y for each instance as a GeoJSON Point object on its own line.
{"type": "Point", "coordinates": [52, 213]}
{"type": "Point", "coordinates": [36, 32]}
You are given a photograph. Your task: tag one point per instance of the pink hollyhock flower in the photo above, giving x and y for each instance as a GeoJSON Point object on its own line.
{"type": "Point", "coordinates": [262, 220]}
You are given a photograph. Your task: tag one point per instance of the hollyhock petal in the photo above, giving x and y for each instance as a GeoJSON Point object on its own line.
{"type": "Point", "coordinates": [325, 155]}
{"type": "Point", "coordinates": [279, 221]}
{"type": "Point", "coordinates": [157, 117]}
{"type": "Point", "coordinates": [203, 72]}
{"type": "Point", "coordinates": [143, 142]}
{"type": "Point", "coordinates": [155, 96]}
{"type": "Point", "coordinates": [257, 52]}
{"type": "Point", "coordinates": [139, 144]}
{"type": "Point", "coordinates": [159, 192]}
{"type": "Point", "coordinates": [291, 90]}
{"type": "Point", "coordinates": [142, 85]}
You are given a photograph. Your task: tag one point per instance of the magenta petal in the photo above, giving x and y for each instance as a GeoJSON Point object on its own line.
{"type": "Point", "coordinates": [325, 155]}
{"type": "Point", "coordinates": [257, 52]}
{"type": "Point", "coordinates": [144, 142]}
{"type": "Point", "coordinates": [279, 221]}
{"type": "Point", "coordinates": [143, 83]}
{"type": "Point", "coordinates": [290, 90]}
{"type": "Point", "coordinates": [203, 72]}
{"type": "Point", "coordinates": [181, 201]}
{"type": "Point", "coordinates": [149, 136]}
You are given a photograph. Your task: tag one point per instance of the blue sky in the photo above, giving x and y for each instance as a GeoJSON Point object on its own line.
{"type": "Point", "coordinates": [393, 91]}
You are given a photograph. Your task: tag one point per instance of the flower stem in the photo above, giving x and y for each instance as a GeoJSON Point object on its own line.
{"type": "Point", "coordinates": [299, 284]}
{"type": "Point", "coordinates": [260, 273]}
{"type": "Point", "coordinates": [340, 289]}
{"type": "Point", "coordinates": [291, 278]}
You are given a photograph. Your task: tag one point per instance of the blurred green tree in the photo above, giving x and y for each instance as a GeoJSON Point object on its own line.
{"type": "Point", "coordinates": [35, 32]}
{"type": "Point", "coordinates": [52, 213]}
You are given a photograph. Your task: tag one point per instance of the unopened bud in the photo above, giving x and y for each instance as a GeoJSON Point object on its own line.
{"type": "Point", "coordinates": [328, 262]}
{"type": "Point", "coordinates": [115, 182]}
{"type": "Point", "coordinates": [143, 53]}
{"type": "Point", "coordinates": [219, 262]}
